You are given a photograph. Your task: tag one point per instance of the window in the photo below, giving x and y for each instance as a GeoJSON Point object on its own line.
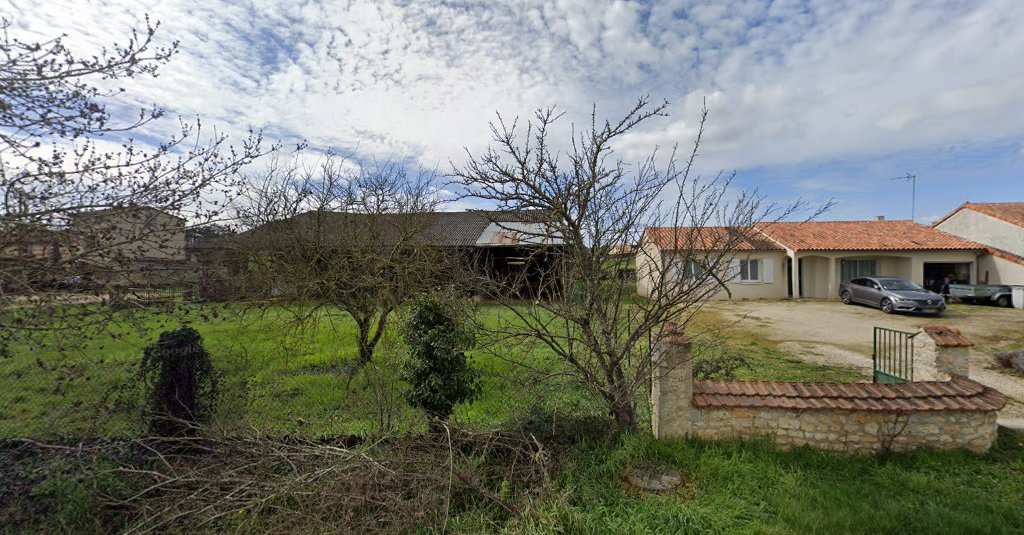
{"type": "Point", "coordinates": [853, 269]}
{"type": "Point", "coordinates": [686, 269]}
{"type": "Point", "coordinates": [750, 270]}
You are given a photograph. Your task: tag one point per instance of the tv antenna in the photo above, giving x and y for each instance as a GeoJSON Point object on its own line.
{"type": "Point", "coordinates": [912, 178]}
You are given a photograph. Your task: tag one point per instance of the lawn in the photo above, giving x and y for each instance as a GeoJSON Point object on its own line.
{"type": "Point", "coordinates": [752, 487]}
{"type": "Point", "coordinates": [277, 379]}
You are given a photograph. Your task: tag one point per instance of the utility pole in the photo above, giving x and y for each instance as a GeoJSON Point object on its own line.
{"type": "Point", "coordinates": [913, 192]}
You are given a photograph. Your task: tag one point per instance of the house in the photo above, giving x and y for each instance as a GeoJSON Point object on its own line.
{"type": "Point", "coordinates": [515, 247]}
{"type": "Point", "coordinates": [810, 259]}
{"type": "Point", "coordinates": [30, 256]}
{"type": "Point", "coordinates": [998, 226]}
{"type": "Point", "coordinates": [137, 245]}
{"type": "Point", "coordinates": [757, 263]}
{"type": "Point", "coordinates": [129, 246]}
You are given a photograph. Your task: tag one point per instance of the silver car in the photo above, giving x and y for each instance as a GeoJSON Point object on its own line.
{"type": "Point", "coordinates": [891, 295]}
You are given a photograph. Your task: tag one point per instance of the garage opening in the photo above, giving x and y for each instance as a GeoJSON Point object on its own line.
{"type": "Point", "coordinates": [934, 272]}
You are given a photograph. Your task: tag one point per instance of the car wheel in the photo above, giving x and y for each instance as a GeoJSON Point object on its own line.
{"type": "Point", "coordinates": [846, 298]}
{"type": "Point", "coordinates": [887, 306]}
{"type": "Point", "coordinates": [1003, 301]}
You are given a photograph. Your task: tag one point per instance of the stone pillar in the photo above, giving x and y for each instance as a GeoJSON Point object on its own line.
{"type": "Point", "coordinates": [672, 383]}
{"type": "Point", "coordinates": [941, 352]}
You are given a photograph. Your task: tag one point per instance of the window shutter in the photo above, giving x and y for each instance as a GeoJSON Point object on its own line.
{"type": "Point", "coordinates": [734, 270]}
{"type": "Point", "coordinates": [768, 277]}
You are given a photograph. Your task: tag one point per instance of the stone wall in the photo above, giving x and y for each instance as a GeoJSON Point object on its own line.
{"type": "Point", "coordinates": [849, 431]}
{"type": "Point", "coordinates": [856, 423]}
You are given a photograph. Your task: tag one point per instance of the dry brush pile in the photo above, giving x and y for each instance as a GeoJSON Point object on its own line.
{"type": "Point", "coordinates": [260, 484]}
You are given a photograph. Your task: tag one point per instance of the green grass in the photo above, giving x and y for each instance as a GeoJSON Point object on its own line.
{"type": "Point", "coordinates": [278, 380]}
{"type": "Point", "coordinates": [752, 487]}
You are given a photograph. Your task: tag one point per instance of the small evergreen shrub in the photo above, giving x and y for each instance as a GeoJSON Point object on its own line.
{"type": "Point", "coordinates": [437, 329]}
{"type": "Point", "coordinates": [180, 382]}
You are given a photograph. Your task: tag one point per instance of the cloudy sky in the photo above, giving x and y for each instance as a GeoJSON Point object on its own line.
{"type": "Point", "coordinates": [812, 99]}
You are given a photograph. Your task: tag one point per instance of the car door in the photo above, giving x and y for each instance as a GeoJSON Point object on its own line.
{"type": "Point", "coordinates": [872, 293]}
{"type": "Point", "coordinates": [857, 289]}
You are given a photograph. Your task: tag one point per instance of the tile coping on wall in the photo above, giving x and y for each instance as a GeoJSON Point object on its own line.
{"type": "Point", "coordinates": [947, 336]}
{"type": "Point", "coordinates": [958, 394]}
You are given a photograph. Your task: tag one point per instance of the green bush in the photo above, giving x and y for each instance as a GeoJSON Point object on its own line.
{"type": "Point", "coordinates": [437, 329]}
{"type": "Point", "coordinates": [181, 384]}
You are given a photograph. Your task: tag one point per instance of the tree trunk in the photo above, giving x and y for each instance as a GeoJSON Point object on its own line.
{"type": "Point", "coordinates": [625, 415]}
{"type": "Point", "coordinates": [365, 345]}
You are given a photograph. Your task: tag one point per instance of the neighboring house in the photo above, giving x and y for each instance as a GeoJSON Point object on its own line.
{"type": "Point", "coordinates": [999, 226]}
{"type": "Point", "coordinates": [625, 257]}
{"type": "Point", "coordinates": [132, 246]}
{"type": "Point", "coordinates": [36, 243]}
{"type": "Point", "coordinates": [30, 256]}
{"type": "Point", "coordinates": [810, 259]}
{"type": "Point", "coordinates": [142, 233]}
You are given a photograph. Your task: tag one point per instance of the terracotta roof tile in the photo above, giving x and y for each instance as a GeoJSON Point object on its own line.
{"type": "Point", "coordinates": [1011, 212]}
{"type": "Point", "coordinates": [960, 393]}
{"type": "Point", "coordinates": [1017, 259]}
{"type": "Point", "coordinates": [708, 239]}
{"type": "Point", "coordinates": [947, 336]}
{"type": "Point", "coordinates": [863, 236]}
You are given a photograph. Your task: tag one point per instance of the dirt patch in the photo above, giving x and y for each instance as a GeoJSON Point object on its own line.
{"type": "Point", "coordinates": [828, 332]}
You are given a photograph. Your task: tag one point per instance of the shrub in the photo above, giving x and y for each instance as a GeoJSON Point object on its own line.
{"type": "Point", "coordinates": [719, 366]}
{"type": "Point", "coordinates": [1011, 359]}
{"type": "Point", "coordinates": [180, 381]}
{"type": "Point", "coordinates": [437, 330]}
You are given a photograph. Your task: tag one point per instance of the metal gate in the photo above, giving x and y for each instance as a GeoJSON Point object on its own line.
{"type": "Point", "coordinates": [893, 356]}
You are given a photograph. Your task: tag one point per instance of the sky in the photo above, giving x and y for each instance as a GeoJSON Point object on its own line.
{"type": "Point", "coordinates": [813, 100]}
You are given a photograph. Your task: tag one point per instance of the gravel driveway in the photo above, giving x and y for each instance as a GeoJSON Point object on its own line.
{"type": "Point", "coordinates": [829, 332]}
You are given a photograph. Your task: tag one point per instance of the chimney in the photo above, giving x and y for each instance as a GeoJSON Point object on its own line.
{"type": "Point", "coordinates": [879, 218]}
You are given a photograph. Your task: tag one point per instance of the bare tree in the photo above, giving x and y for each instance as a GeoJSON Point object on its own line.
{"type": "Point", "coordinates": [79, 196]}
{"type": "Point", "coordinates": [333, 236]}
{"type": "Point", "coordinates": [595, 204]}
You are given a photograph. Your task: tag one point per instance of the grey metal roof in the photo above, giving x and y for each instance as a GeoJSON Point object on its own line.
{"type": "Point", "coordinates": [517, 233]}
{"type": "Point", "coordinates": [441, 229]}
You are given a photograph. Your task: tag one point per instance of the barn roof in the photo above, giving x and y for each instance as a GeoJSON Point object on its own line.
{"type": "Point", "coordinates": [441, 229]}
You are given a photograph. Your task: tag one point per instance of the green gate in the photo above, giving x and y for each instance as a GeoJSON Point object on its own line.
{"type": "Point", "coordinates": [893, 356]}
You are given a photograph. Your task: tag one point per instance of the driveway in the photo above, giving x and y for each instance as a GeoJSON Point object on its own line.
{"type": "Point", "coordinates": [828, 332]}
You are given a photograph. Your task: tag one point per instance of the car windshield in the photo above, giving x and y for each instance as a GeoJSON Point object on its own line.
{"type": "Point", "coordinates": [899, 284]}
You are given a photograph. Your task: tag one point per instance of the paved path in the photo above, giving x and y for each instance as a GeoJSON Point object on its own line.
{"type": "Point", "coordinates": [828, 332]}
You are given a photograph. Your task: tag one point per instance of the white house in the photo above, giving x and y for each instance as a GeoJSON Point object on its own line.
{"type": "Point", "coordinates": [1000, 227]}
{"type": "Point", "coordinates": [811, 259]}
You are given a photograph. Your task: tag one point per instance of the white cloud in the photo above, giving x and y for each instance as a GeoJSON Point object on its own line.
{"type": "Point", "coordinates": [788, 83]}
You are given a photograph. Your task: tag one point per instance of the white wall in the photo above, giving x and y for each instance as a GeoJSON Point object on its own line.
{"type": "Point", "coordinates": [773, 285]}
{"type": "Point", "coordinates": [648, 265]}
{"type": "Point", "coordinates": [985, 229]}
{"type": "Point", "coordinates": [999, 270]}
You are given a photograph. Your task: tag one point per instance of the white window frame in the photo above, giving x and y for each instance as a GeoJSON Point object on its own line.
{"type": "Point", "coordinates": [765, 271]}
{"type": "Point", "coordinates": [744, 274]}
{"type": "Point", "coordinates": [686, 269]}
